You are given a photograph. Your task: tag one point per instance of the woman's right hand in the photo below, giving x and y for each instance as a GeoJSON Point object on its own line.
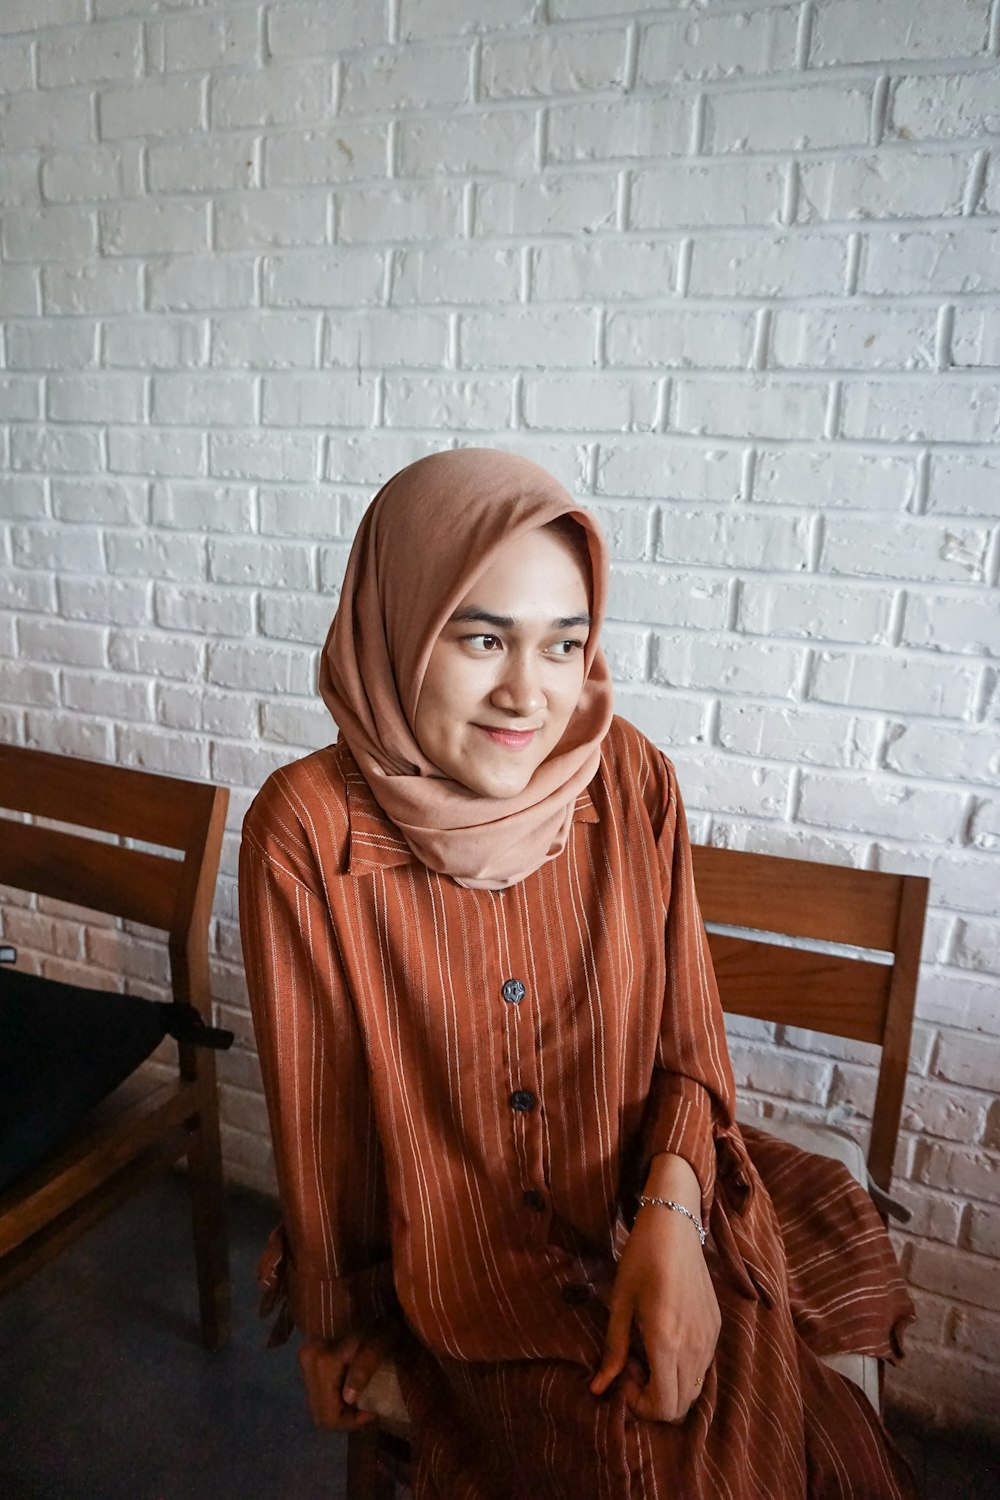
{"type": "Point", "coordinates": [336, 1371]}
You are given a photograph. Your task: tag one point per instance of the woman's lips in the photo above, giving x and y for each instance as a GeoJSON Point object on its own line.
{"type": "Point", "coordinates": [512, 739]}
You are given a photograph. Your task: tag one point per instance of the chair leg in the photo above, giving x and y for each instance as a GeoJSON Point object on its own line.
{"type": "Point", "coordinates": [208, 1222]}
{"type": "Point", "coordinates": [366, 1479]}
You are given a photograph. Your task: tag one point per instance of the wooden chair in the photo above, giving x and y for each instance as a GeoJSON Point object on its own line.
{"type": "Point", "coordinates": [849, 993]}
{"type": "Point", "coordinates": [146, 1124]}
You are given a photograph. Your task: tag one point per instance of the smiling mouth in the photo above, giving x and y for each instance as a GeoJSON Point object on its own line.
{"type": "Point", "coordinates": [512, 739]}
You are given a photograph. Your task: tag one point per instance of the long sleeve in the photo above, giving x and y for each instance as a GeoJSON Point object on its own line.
{"type": "Point", "coordinates": [691, 1098]}
{"type": "Point", "coordinates": [331, 1255]}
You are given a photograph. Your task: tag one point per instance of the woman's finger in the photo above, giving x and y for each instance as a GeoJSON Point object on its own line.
{"type": "Point", "coordinates": [616, 1346]}
{"type": "Point", "coordinates": [323, 1365]}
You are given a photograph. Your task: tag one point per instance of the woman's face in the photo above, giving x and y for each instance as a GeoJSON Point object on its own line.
{"type": "Point", "coordinates": [507, 670]}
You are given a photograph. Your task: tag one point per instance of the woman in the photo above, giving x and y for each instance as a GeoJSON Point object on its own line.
{"type": "Point", "coordinates": [494, 1058]}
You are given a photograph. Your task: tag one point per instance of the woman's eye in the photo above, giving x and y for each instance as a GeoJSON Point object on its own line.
{"type": "Point", "coordinates": [566, 648]}
{"type": "Point", "coordinates": [482, 642]}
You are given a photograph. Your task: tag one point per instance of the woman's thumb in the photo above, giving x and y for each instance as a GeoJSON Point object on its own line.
{"type": "Point", "coordinates": [615, 1349]}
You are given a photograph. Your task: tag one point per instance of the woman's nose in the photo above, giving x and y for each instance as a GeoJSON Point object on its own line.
{"type": "Point", "coordinates": [518, 689]}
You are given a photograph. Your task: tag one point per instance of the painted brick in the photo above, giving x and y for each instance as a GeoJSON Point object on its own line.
{"type": "Point", "coordinates": [868, 338]}
{"type": "Point", "coordinates": [444, 403]}
{"type": "Point", "coordinates": [95, 398]}
{"type": "Point", "coordinates": [19, 290]}
{"type": "Point", "coordinates": [153, 228]}
{"type": "Point", "coordinates": [28, 684]}
{"type": "Point", "coordinates": [731, 785]}
{"type": "Point", "coordinates": [99, 174]}
{"type": "Point", "coordinates": [266, 340]}
{"type": "Point", "coordinates": [791, 1078]}
{"type": "Point", "coordinates": [378, 339]}
{"type": "Point", "coordinates": [196, 400]}
{"type": "Point", "coordinates": [20, 398]}
{"type": "Point", "coordinates": [737, 666]}
{"type": "Point", "coordinates": [967, 883]}
{"type": "Point", "coordinates": [201, 283]}
{"type": "Point", "coordinates": [49, 234]}
{"type": "Point", "coordinates": [978, 1332]}
{"type": "Point", "coordinates": [201, 507]}
{"type": "Point", "coordinates": [603, 269]}
{"type": "Point", "coordinates": [232, 560]}
{"type": "Point", "coordinates": [63, 450]}
{"type": "Point", "coordinates": [971, 1173]}
{"type": "Point", "coordinates": [192, 43]}
{"type": "Point", "coordinates": [977, 945]}
{"type": "Point", "coordinates": [630, 128]}
{"type": "Point", "coordinates": [95, 54]}
{"type": "Point", "coordinates": [931, 261]}
{"type": "Point", "coordinates": [833, 478]}
{"type": "Point", "coordinates": [984, 830]}
{"type": "Point", "coordinates": [104, 601]}
{"type": "Point", "coordinates": [669, 470]}
{"type": "Point", "coordinates": [750, 407]}
{"type": "Point", "coordinates": [47, 345]}
{"type": "Point", "coordinates": [457, 274]}
{"type": "Point", "coordinates": [707, 194]}
{"type": "Point", "coordinates": [157, 653]}
{"type": "Point", "coordinates": [28, 121]}
{"type": "Point", "coordinates": [62, 643]}
{"type": "Point", "coordinates": [408, 77]}
{"type": "Point", "coordinates": [200, 166]}
{"type": "Point", "coordinates": [684, 340]}
{"type": "Point", "coordinates": [560, 62]}
{"type": "Point", "coordinates": [151, 554]}
{"type": "Point", "coordinates": [652, 596]}
{"type": "Point", "coordinates": [28, 593]}
{"type": "Point", "coordinates": [789, 119]}
{"type": "Point", "coordinates": [305, 726]}
{"type": "Point", "coordinates": [528, 338]}
{"type": "Point", "coordinates": [106, 694]}
{"type": "Point", "coordinates": [153, 343]}
{"type": "Point", "coordinates": [261, 667]}
{"type": "Point", "coordinates": [768, 265]}
{"type": "Point", "coordinates": [302, 510]}
{"type": "Point", "coordinates": [263, 455]}
{"type": "Point", "coordinates": [297, 93]}
{"type": "Point", "coordinates": [669, 722]}
{"type": "Point", "coordinates": [807, 736]}
{"type": "Point", "coordinates": [402, 212]}
{"type": "Point", "coordinates": [976, 338]}
{"type": "Point", "coordinates": [712, 47]}
{"type": "Point", "coordinates": [16, 70]}
{"type": "Point", "coordinates": [905, 411]}
{"type": "Point", "coordinates": [732, 539]}
{"type": "Point", "coordinates": [917, 549]}
{"type": "Point", "coordinates": [261, 220]}
{"type": "Point", "coordinates": [324, 278]}
{"type": "Point", "coordinates": [373, 459]}
{"type": "Point", "coordinates": [154, 107]}
{"type": "Point", "coordinates": [902, 684]}
{"type": "Point", "coordinates": [150, 452]}
{"type": "Point", "coordinates": [497, 141]}
{"type": "Point", "coordinates": [57, 547]}
{"type": "Point", "coordinates": [65, 734]}
{"type": "Point", "coordinates": [204, 610]}
{"type": "Point", "coordinates": [94, 287]}
{"type": "Point", "coordinates": [230, 714]}
{"type": "Point", "coordinates": [421, 19]}
{"type": "Point", "coordinates": [327, 400]}
{"type": "Point", "coordinates": [945, 105]}
{"type": "Point", "coordinates": [966, 622]}
{"type": "Point", "coordinates": [323, 157]}
{"type": "Point", "coordinates": [884, 185]}
{"type": "Point", "coordinates": [556, 203]}
{"type": "Point", "coordinates": [309, 30]}
{"type": "Point", "coordinates": [925, 750]}
{"type": "Point", "coordinates": [590, 403]}
{"type": "Point", "coordinates": [884, 806]}
{"type": "Point", "coordinates": [851, 31]}
{"type": "Point", "coordinates": [296, 617]}
{"type": "Point", "coordinates": [815, 610]}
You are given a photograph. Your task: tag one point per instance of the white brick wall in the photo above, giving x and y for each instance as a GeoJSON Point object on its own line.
{"type": "Point", "coordinates": [728, 267]}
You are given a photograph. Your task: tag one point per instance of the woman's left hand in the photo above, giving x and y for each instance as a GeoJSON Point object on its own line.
{"type": "Point", "coordinates": [663, 1286]}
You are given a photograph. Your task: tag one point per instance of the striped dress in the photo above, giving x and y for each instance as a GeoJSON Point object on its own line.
{"type": "Point", "coordinates": [465, 1089]}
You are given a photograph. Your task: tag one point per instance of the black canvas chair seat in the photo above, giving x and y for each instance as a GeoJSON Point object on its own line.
{"type": "Point", "coordinates": [63, 1048]}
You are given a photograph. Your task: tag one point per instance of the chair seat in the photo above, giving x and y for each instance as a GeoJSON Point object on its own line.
{"type": "Point", "coordinates": [822, 1140]}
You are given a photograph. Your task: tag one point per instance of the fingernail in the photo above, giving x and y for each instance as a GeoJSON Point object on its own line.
{"type": "Point", "coordinates": [350, 1396]}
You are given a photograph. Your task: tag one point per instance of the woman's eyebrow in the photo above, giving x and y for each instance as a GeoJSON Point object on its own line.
{"type": "Point", "coordinates": [507, 622]}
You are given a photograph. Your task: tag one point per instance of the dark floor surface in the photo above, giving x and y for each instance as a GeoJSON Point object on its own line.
{"type": "Point", "coordinates": [107, 1394]}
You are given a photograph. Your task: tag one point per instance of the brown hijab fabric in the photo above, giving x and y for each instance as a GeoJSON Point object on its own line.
{"type": "Point", "coordinates": [427, 536]}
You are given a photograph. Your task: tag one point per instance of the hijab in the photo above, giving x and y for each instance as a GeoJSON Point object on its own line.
{"type": "Point", "coordinates": [430, 532]}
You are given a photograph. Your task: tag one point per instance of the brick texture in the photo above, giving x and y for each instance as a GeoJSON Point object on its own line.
{"type": "Point", "coordinates": [728, 269]}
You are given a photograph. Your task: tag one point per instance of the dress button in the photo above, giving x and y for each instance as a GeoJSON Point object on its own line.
{"type": "Point", "coordinates": [513, 991]}
{"type": "Point", "coordinates": [535, 1200]}
{"type": "Point", "coordinates": [575, 1293]}
{"type": "Point", "coordinates": [522, 1100]}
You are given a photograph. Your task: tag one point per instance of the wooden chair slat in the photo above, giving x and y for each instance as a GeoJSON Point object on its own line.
{"type": "Point", "coordinates": [136, 804]}
{"type": "Point", "coordinates": [799, 987]}
{"type": "Point", "coordinates": [832, 903]}
{"type": "Point", "coordinates": [138, 1130]}
{"type": "Point", "coordinates": [129, 883]}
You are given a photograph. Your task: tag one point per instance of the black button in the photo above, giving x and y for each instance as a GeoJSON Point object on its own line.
{"type": "Point", "coordinates": [536, 1200]}
{"type": "Point", "coordinates": [513, 991]}
{"type": "Point", "coordinates": [522, 1100]}
{"type": "Point", "coordinates": [575, 1293]}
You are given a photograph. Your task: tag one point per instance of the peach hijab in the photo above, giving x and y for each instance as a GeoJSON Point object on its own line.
{"type": "Point", "coordinates": [425, 538]}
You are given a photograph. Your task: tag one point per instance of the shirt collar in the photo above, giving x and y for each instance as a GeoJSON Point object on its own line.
{"type": "Point", "coordinates": [374, 841]}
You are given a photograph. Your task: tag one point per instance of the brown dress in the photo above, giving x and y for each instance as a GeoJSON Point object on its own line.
{"type": "Point", "coordinates": [465, 1089]}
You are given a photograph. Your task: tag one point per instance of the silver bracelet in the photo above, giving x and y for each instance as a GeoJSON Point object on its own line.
{"type": "Point", "coordinates": [678, 1208]}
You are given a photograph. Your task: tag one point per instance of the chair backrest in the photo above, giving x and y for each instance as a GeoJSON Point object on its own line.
{"type": "Point", "coordinates": [865, 992]}
{"type": "Point", "coordinates": [174, 894]}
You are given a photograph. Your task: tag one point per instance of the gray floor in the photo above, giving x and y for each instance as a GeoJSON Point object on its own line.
{"type": "Point", "coordinates": [107, 1394]}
